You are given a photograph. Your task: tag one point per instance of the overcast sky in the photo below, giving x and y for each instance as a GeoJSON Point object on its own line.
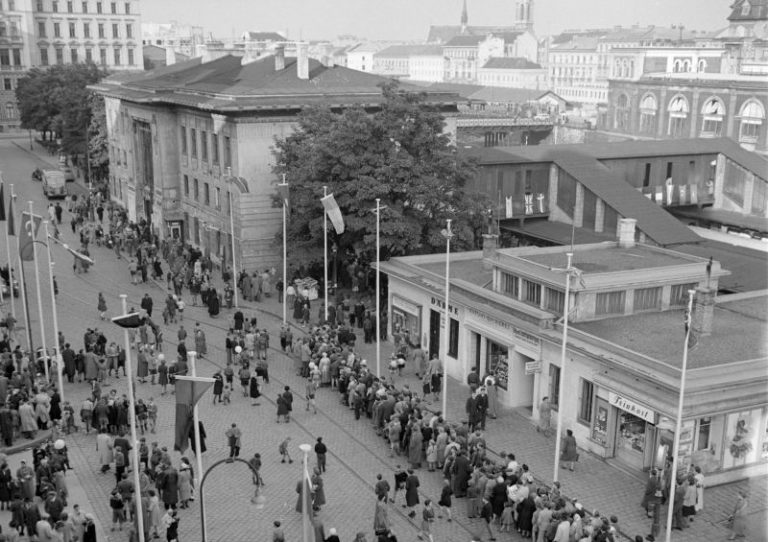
{"type": "Point", "coordinates": [410, 19]}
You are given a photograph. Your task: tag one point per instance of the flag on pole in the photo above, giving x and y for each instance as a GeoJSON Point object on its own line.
{"type": "Point", "coordinates": [690, 333]}
{"type": "Point", "coordinates": [131, 320]}
{"type": "Point", "coordinates": [189, 390]}
{"type": "Point", "coordinates": [29, 226]}
{"type": "Point", "coordinates": [282, 189]}
{"type": "Point", "coordinates": [334, 213]}
{"type": "Point", "coordinates": [2, 202]}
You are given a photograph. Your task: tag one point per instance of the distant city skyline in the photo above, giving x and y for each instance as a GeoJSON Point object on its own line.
{"type": "Point", "coordinates": [410, 19]}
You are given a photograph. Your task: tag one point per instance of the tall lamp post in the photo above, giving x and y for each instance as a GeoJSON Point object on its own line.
{"type": "Point", "coordinates": [306, 502]}
{"type": "Point", "coordinates": [56, 345]}
{"type": "Point", "coordinates": [378, 288]}
{"type": "Point", "coordinates": [448, 234]}
{"type": "Point", "coordinates": [561, 387]}
{"type": "Point", "coordinates": [229, 180]}
{"type": "Point", "coordinates": [37, 285]}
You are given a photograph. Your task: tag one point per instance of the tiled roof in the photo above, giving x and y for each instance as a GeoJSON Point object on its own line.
{"type": "Point", "coordinates": [226, 84]}
{"type": "Point", "coordinates": [410, 50]}
{"type": "Point", "coordinates": [464, 41]}
{"type": "Point", "coordinates": [442, 34]}
{"type": "Point", "coordinates": [758, 11]}
{"type": "Point", "coordinates": [263, 36]}
{"type": "Point", "coordinates": [510, 63]}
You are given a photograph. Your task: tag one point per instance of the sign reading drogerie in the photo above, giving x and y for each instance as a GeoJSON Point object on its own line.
{"type": "Point", "coordinates": [628, 405]}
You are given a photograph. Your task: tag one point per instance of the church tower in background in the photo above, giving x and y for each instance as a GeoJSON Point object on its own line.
{"type": "Point", "coordinates": [464, 18]}
{"type": "Point", "coordinates": [524, 15]}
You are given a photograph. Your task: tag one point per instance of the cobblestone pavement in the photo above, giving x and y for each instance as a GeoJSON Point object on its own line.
{"type": "Point", "coordinates": [356, 453]}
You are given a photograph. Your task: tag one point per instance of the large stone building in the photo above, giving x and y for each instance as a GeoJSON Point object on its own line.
{"type": "Point", "coordinates": [40, 33]}
{"type": "Point", "coordinates": [191, 144]}
{"type": "Point", "coordinates": [717, 87]}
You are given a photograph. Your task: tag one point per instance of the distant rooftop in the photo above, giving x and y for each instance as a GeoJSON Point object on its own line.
{"type": "Point", "coordinates": [739, 333]}
{"type": "Point", "coordinates": [468, 270]}
{"type": "Point", "coordinates": [410, 50]}
{"type": "Point", "coordinates": [510, 63]}
{"type": "Point", "coordinates": [607, 260]}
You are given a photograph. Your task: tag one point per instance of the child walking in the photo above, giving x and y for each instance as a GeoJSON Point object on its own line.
{"type": "Point", "coordinates": [284, 454]}
{"type": "Point", "coordinates": [427, 517]}
{"type": "Point", "coordinates": [507, 518]}
{"type": "Point", "coordinates": [445, 500]}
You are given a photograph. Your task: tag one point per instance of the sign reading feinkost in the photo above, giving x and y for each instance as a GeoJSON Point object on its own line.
{"type": "Point", "coordinates": [628, 405]}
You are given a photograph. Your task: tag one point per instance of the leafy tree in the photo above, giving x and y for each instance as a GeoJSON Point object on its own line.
{"type": "Point", "coordinates": [56, 99]}
{"type": "Point", "coordinates": [98, 144]}
{"type": "Point", "coordinates": [398, 154]}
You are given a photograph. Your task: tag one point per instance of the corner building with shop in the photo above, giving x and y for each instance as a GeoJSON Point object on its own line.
{"type": "Point", "coordinates": [624, 350]}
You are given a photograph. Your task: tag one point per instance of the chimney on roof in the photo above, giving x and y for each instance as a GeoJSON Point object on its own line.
{"type": "Point", "coordinates": [626, 232]}
{"type": "Point", "coordinates": [328, 60]}
{"type": "Point", "coordinates": [279, 58]}
{"type": "Point", "coordinates": [302, 60]}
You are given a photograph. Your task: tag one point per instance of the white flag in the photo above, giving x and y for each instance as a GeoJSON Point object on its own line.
{"type": "Point", "coordinates": [334, 213]}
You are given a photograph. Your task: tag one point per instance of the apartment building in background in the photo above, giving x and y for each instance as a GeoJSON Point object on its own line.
{"type": "Point", "coordinates": [41, 33]}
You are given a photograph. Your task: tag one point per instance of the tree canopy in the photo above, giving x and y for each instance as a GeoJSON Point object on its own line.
{"type": "Point", "coordinates": [56, 99]}
{"type": "Point", "coordinates": [398, 154]}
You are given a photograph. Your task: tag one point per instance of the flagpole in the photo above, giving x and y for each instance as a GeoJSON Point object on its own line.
{"type": "Point", "coordinates": [25, 299]}
{"type": "Point", "coordinates": [563, 350]}
{"type": "Point", "coordinates": [325, 253]}
{"type": "Point", "coordinates": [196, 421]}
{"type": "Point", "coordinates": [285, 257]}
{"type": "Point", "coordinates": [448, 234]}
{"type": "Point", "coordinates": [132, 419]}
{"type": "Point", "coordinates": [56, 345]}
{"type": "Point", "coordinates": [10, 261]}
{"type": "Point", "coordinates": [39, 293]}
{"type": "Point", "coordinates": [679, 421]}
{"type": "Point", "coordinates": [378, 288]}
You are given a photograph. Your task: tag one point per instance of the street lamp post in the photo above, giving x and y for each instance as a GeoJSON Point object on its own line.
{"type": "Point", "coordinates": [306, 502]}
{"type": "Point", "coordinates": [201, 494]}
{"type": "Point", "coordinates": [561, 388]}
{"type": "Point", "coordinates": [56, 345]}
{"type": "Point", "coordinates": [378, 288]}
{"type": "Point", "coordinates": [448, 234]}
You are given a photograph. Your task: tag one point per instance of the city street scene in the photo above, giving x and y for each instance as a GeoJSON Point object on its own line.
{"type": "Point", "coordinates": [363, 271]}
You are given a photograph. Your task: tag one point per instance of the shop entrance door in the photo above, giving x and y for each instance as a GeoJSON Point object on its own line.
{"type": "Point", "coordinates": [434, 333]}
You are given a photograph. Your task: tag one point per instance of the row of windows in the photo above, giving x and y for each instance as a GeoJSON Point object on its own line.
{"type": "Point", "coordinates": [192, 144]}
{"type": "Point", "coordinates": [752, 115]}
{"type": "Point", "coordinates": [57, 7]}
{"type": "Point", "coordinates": [606, 303]}
{"type": "Point", "coordinates": [74, 56]}
{"type": "Point", "coordinates": [42, 30]}
{"type": "Point", "coordinates": [8, 29]}
{"type": "Point", "coordinates": [192, 191]}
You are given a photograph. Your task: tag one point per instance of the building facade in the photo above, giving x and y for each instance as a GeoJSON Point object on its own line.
{"type": "Point", "coordinates": [623, 372]}
{"type": "Point", "coordinates": [41, 33]}
{"type": "Point", "coordinates": [197, 162]}
{"type": "Point", "coordinates": [513, 73]}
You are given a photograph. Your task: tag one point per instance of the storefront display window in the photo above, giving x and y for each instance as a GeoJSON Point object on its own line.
{"type": "Point", "coordinates": [600, 425]}
{"type": "Point", "coordinates": [497, 363]}
{"type": "Point", "coordinates": [631, 435]}
{"type": "Point", "coordinates": [741, 434]}
{"type": "Point", "coordinates": [407, 319]}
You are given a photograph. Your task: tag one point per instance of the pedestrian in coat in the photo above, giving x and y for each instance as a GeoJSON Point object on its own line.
{"type": "Point", "coordinates": [253, 390]}
{"type": "Point", "coordinates": [570, 453]}
{"type": "Point", "coordinates": [738, 517]}
{"type": "Point", "coordinates": [415, 446]}
{"type": "Point", "coordinates": [318, 490]}
{"type": "Point", "coordinates": [234, 435]}
{"type": "Point", "coordinates": [185, 486]}
{"type": "Point", "coordinates": [28, 419]}
{"type": "Point", "coordinates": [168, 484]}
{"type": "Point", "coordinates": [101, 306]}
{"type": "Point", "coordinates": [411, 492]}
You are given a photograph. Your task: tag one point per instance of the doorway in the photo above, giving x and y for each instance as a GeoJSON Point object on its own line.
{"type": "Point", "coordinates": [434, 333]}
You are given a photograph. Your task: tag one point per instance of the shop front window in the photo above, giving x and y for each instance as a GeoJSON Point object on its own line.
{"type": "Point", "coordinates": [554, 385]}
{"type": "Point", "coordinates": [631, 435]}
{"type": "Point", "coordinates": [496, 362]}
{"type": "Point", "coordinates": [600, 425]}
{"type": "Point", "coordinates": [702, 434]}
{"type": "Point", "coordinates": [585, 406]}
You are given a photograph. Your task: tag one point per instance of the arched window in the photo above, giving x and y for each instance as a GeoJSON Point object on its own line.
{"type": "Point", "coordinates": [678, 114]}
{"type": "Point", "coordinates": [648, 108]}
{"type": "Point", "coordinates": [676, 66]}
{"type": "Point", "coordinates": [622, 112]}
{"type": "Point", "coordinates": [702, 65]}
{"type": "Point", "coordinates": [712, 113]}
{"type": "Point", "coordinates": [686, 66]}
{"type": "Point", "coordinates": [752, 118]}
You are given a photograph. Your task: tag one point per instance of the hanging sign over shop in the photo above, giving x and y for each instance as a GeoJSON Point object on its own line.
{"type": "Point", "coordinates": [532, 367]}
{"type": "Point", "coordinates": [627, 405]}
{"type": "Point", "coordinates": [518, 333]}
{"type": "Point", "coordinates": [441, 303]}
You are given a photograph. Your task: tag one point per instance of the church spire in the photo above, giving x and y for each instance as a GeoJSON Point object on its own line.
{"type": "Point", "coordinates": [464, 17]}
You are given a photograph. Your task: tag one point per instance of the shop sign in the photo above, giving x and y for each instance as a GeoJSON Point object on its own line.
{"type": "Point", "coordinates": [436, 301]}
{"type": "Point", "coordinates": [405, 305]}
{"type": "Point", "coordinates": [627, 405]}
{"type": "Point", "coordinates": [518, 333]}
{"type": "Point", "coordinates": [532, 367]}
